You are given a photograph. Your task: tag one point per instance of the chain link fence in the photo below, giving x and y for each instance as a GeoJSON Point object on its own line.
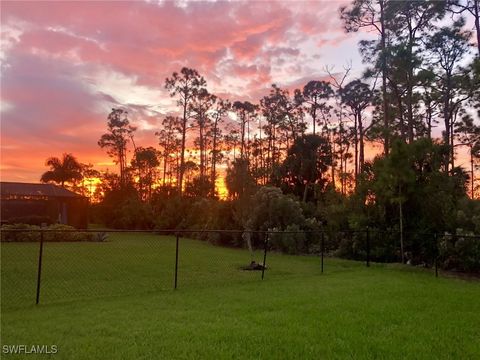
{"type": "Point", "coordinates": [63, 265]}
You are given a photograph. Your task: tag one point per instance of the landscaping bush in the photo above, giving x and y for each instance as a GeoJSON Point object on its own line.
{"type": "Point", "coordinates": [25, 235]}
{"type": "Point", "coordinates": [31, 220]}
{"type": "Point", "coordinates": [52, 233]}
{"type": "Point", "coordinates": [66, 233]}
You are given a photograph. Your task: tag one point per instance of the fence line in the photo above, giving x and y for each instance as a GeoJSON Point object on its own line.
{"type": "Point", "coordinates": [268, 235]}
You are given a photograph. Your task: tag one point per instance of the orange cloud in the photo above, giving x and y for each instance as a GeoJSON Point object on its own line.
{"type": "Point", "coordinates": [66, 64]}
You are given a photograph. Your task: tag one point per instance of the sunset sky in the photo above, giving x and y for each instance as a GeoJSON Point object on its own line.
{"type": "Point", "coordinates": [66, 64]}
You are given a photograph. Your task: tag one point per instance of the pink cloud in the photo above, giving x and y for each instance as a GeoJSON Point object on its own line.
{"type": "Point", "coordinates": [50, 73]}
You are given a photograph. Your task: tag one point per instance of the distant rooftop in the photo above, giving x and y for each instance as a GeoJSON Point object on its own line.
{"type": "Point", "coordinates": [31, 189]}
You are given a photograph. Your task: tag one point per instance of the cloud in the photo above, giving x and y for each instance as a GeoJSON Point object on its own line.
{"type": "Point", "coordinates": [66, 64]}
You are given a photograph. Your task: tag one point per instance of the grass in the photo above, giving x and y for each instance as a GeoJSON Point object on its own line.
{"type": "Point", "coordinates": [114, 300]}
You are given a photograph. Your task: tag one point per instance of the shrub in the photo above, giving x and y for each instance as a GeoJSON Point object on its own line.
{"type": "Point", "coordinates": [23, 233]}
{"type": "Point", "coordinates": [288, 241]}
{"type": "Point", "coordinates": [66, 233]}
{"type": "Point", "coordinates": [31, 220]}
{"type": "Point", "coordinates": [53, 233]}
{"type": "Point", "coordinates": [460, 252]}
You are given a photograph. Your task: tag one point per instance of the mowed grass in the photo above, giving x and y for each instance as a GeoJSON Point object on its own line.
{"type": "Point", "coordinates": [114, 300]}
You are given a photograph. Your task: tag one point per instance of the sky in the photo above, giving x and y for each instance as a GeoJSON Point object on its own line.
{"type": "Point", "coordinates": [64, 65]}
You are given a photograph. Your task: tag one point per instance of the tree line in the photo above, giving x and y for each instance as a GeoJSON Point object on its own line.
{"type": "Point", "coordinates": [418, 98]}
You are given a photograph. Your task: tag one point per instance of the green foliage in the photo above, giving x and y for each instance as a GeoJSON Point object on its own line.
{"type": "Point", "coordinates": [170, 212]}
{"type": "Point", "coordinates": [306, 163]}
{"type": "Point", "coordinates": [460, 252]}
{"type": "Point", "coordinates": [269, 209]}
{"type": "Point", "coordinates": [289, 241]}
{"type": "Point", "coordinates": [66, 169]}
{"type": "Point", "coordinates": [20, 236]}
{"type": "Point", "coordinates": [239, 179]}
{"type": "Point", "coordinates": [60, 232]}
{"type": "Point", "coordinates": [198, 187]}
{"type": "Point", "coordinates": [412, 176]}
{"type": "Point", "coordinates": [52, 233]}
{"type": "Point", "coordinates": [133, 214]}
{"type": "Point", "coordinates": [31, 220]}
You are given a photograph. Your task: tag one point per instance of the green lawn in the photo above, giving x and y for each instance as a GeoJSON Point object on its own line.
{"type": "Point", "coordinates": [114, 300]}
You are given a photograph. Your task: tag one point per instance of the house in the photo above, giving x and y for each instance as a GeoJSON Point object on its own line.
{"type": "Point", "coordinates": [21, 201]}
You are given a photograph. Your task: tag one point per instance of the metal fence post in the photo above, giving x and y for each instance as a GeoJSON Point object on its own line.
{"type": "Point", "coordinates": [39, 272]}
{"type": "Point", "coordinates": [436, 254]}
{"type": "Point", "coordinates": [176, 260]}
{"type": "Point", "coordinates": [368, 247]}
{"type": "Point", "coordinates": [322, 247]}
{"type": "Point", "coordinates": [264, 255]}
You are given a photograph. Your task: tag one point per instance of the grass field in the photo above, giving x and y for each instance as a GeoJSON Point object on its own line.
{"type": "Point", "coordinates": [114, 300]}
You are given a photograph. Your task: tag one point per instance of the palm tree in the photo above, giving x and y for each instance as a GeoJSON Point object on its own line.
{"type": "Point", "coordinates": [62, 170]}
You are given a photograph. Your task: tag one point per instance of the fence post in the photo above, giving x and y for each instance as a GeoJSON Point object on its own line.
{"type": "Point", "coordinates": [322, 247]}
{"type": "Point", "coordinates": [436, 254]}
{"type": "Point", "coordinates": [368, 247]}
{"type": "Point", "coordinates": [39, 272]}
{"type": "Point", "coordinates": [265, 255]}
{"type": "Point", "coordinates": [176, 260]}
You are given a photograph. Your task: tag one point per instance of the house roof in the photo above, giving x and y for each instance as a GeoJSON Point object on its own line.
{"type": "Point", "coordinates": [30, 189]}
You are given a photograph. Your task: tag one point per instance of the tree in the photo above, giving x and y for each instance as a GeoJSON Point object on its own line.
{"type": "Point", "coordinates": [370, 14]}
{"type": "Point", "coordinates": [201, 107]}
{"type": "Point", "coordinates": [424, 197]}
{"type": "Point", "coordinates": [66, 169]}
{"type": "Point", "coordinates": [431, 99]}
{"type": "Point", "coordinates": [270, 209]}
{"type": "Point", "coordinates": [283, 124]}
{"type": "Point", "coordinates": [408, 22]}
{"type": "Point", "coordinates": [116, 140]}
{"type": "Point", "coordinates": [307, 160]}
{"type": "Point", "coordinates": [472, 7]}
{"type": "Point", "coordinates": [315, 94]}
{"type": "Point", "coordinates": [170, 144]}
{"type": "Point", "coordinates": [245, 112]}
{"type": "Point", "coordinates": [198, 187]}
{"type": "Point", "coordinates": [220, 110]}
{"type": "Point", "coordinates": [447, 47]}
{"type": "Point", "coordinates": [341, 140]}
{"type": "Point", "coordinates": [186, 86]}
{"type": "Point", "coordinates": [469, 135]}
{"type": "Point", "coordinates": [239, 179]}
{"type": "Point", "coordinates": [145, 162]}
{"type": "Point", "coordinates": [357, 96]}
{"type": "Point", "coordinates": [90, 175]}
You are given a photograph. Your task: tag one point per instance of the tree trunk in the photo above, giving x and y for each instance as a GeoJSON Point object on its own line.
{"type": "Point", "coordinates": [472, 180]}
{"type": "Point", "coordinates": [182, 153]}
{"type": "Point", "coordinates": [476, 10]}
{"type": "Point", "coordinates": [333, 160]}
{"type": "Point", "coordinates": [383, 46]}
{"type": "Point", "coordinates": [356, 149]}
{"type": "Point", "coordinates": [305, 192]}
{"type": "Point", "coordinates": [362, 145]}
{"type": "Point", "coordinates": [400, 209]}
{"type": "Point", "coordinates": [214, 156]}
{"type": "Point", "coordinates": [410, 85]}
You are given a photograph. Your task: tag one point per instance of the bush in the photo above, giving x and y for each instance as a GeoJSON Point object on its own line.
{"type": "Point", "coordinates": [25, 235]}
{"type": "Point", "coordinates": [460, 252]}
{"type": "Point", "coordinates": [288, 242]}
{"type": "Point", "coordinates": [32, 220]}
{"type": "Point", "coordinates": [53, 233]}
{"type": "Point", "coordinates": [66, 233]}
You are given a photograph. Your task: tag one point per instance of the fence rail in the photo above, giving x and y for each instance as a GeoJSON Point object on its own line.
{"type": "Point", "coordinates": [78, 263]}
